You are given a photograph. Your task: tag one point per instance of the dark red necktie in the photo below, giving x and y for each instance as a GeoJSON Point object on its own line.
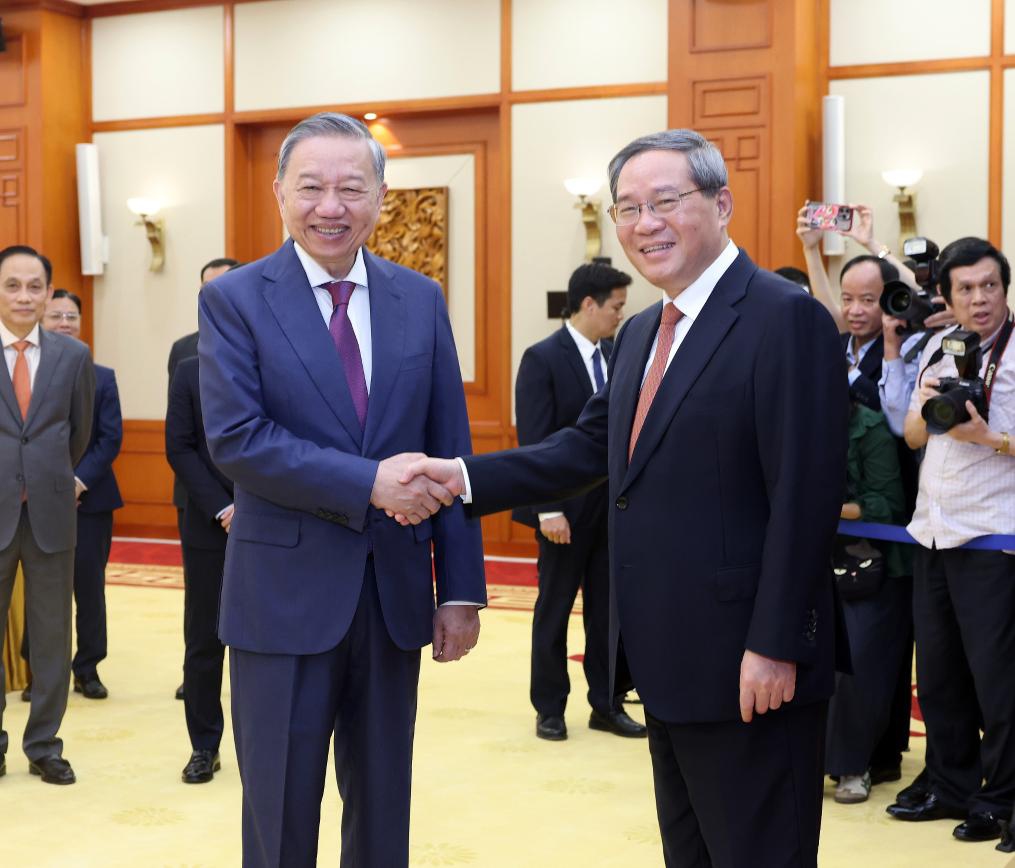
{"type": "Point", "coordinates": [347, 345]}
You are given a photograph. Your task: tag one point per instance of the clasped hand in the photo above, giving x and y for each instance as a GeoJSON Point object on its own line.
{"type": "Point", "coordinates": [407, 492]}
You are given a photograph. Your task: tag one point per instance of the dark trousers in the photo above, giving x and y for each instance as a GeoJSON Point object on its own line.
{"type": "Point", "coordinates": [860, 712]}
{"type": "Point", "coordinates": [964, 610]}
{"type": "Point", "coordinates": [48, 579]}
{"type": "Point", "coordinates": [740, 795]}
{"type": "Point", "coordinates": [204, 653]}
{"type": "Point", "coordinates": [95, 538]}
{"type": "Point", "coordinates": [895, 739]}
{"type": "Point", "coordinates": [563, 569]}
{"type": "Point", "coordinates": [286, 708]}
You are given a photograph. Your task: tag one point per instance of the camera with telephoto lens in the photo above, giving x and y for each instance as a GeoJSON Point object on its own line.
{"type": "Point", "coordinates": [914, 305]}
{"type": "Point", "coordinates": [948, 409]}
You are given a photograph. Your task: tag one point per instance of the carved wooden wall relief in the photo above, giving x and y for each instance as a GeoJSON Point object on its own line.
{"type": "Point", "coordinates": [413, 231]}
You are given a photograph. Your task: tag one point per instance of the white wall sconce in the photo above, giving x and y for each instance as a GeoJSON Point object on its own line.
{"type": "Point", "coordinates": [146, 209]}
{"type": "Point", "coordinates": [584, 189]}
{"type": "Point", "coordinates": [902, 179]}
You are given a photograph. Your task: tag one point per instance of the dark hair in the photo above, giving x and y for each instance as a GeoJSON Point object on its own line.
{"type": "Point", "coordinates": [64, 293]}
{"type": "Point", "coordinates": [706, 165]}
{"type": "Point", "coordinates": [888, 271]}
{"type": "Point", "coordinates": [794, 275]}
{"type": "Point", "coordinates": [969, 251]}
{"type": "Point", "coordinates": [25, 250]}
{"type": "Point", "coordinates": [595, 280]}
{"type": "Point", "coordinates": [218, 263]}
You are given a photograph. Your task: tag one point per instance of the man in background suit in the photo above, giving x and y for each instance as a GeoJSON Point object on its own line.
{"type": "Point", "coordinates": [318, 363]}
{"type": "Point", "coordinates": [555, 379]}
{"type": "Point", "coordinates": [98, 495]}
{"type": "Point", "coordinates": [722, 430]}
{"type": "Point", "coordinates": [206, 517]}
{"type": "Point", "coordinates": [185, 348]}
{"type": "Point", "coordinates": [47, 390]}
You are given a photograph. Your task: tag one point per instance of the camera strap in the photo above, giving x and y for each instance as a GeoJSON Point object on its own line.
{"type": "Point", "coordinates": [995, 356]}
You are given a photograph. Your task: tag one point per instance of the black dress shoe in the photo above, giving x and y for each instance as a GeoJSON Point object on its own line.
{"type": "Point", "coordinates": [980, 826]}
{"type": "Point", "coordinates": [886, 774]}
{"type": "Point", "coordinates": [52, 770]}
{"type": "Point", "coordinates": [202, 767]}
{"type": "Point", "coordinates": [618, 722]}
{"type": "Point", "coordinates": [90, 688]}
{"type": "Point", "coordinates": [931, 808]}
{"type": "Point", "coordinates": [1007, 842]}
{"type": "Point", "coordinates": [179, 692]}
{"type": "Point", "coordinates": [551, 727]}
{"type": "Point", "coordinates": [26, 694]}
{"type": "Point", "coordinates": [915, 794]}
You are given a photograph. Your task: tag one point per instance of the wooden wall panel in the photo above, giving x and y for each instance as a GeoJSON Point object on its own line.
{"type": "Point", "coordinates": [730, 25]}
{"type": "Point", "coordinates": [146, 482]}
{"type": "Point", "coordinates": [13, 74]}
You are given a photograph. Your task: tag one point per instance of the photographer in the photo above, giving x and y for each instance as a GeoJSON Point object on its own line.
{"type": "Point", "coordinates": [964, 598]}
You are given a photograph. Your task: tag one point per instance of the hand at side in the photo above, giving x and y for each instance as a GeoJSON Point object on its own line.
{"type": "Point", "coordinates": [764, 684]}
{"type": "Point", "coordinates": [455, 632]}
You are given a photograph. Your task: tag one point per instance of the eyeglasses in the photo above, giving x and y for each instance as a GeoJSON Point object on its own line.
{"type": "Point", "coordinates": [664, 203]}
{"type": "Point", "coordinates": [57, 316]}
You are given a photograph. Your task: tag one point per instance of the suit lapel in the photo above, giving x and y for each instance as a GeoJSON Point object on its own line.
{"type": "Point", "coordinates": [699, 345]}
{"type": "Point", "coordinates": [7, 394]}
{"type": "Point", "coordinates": [50, 352]}
{"type": "Point", "coordinates": [290, 297]}
{"type": "Point", "coordinates": [387, 340]}
{"type": "Point", "coordinates": [575, 361]}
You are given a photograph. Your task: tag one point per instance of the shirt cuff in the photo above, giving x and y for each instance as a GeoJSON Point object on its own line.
{"type": "Point", "coordinates": [546, 516]}
{"type": "Point", "coordinates": [84, 487]}
{"type": "Point", "coordinates": [222, 512]}
{"type": "Point", "coordinates": [467, 494]}
{"type": "Point", "coordinates": [463, 603]}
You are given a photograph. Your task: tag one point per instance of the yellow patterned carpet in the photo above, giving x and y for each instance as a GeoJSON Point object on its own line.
{"type": "Point", "coordinates": [486, 791]}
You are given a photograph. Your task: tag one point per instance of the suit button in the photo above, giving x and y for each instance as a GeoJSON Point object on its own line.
{"type": "Point", "coordinates": [20, 477]}
{"type": "Point", "coordinates": [342, 519]}
{"type": "Point", "coordinates": [622, 503]}
{"type": "Point", "coordinates": [24, 439]}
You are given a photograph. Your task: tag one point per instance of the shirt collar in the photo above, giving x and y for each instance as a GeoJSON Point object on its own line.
{"type": "Point", "coordinates": [9, 337]}
{"type": "Point", "coordinates": [318, 276]}
{"type": "Point", "coordinates": [692, 300]}
{"type": "Point", "coordinates": [585, 346]}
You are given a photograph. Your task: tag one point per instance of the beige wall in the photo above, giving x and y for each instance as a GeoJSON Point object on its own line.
{"type": "Point", "coordinates": [458, 173]}
{"type": "Point", "coordinates": [567, 43]}
{"type": "Point", "coordinates": [138, 313]}
{"type": "Point", "coordinates": [1008, 221]}
{"type": "Point", "coordinates": [318, 52]}
{"type": "Point", "coordinates": [157, 63]}
{"type": "Point", "coordinates": [883, 31]}
{"type": "Point", "coordinates": [551, 142]}
{"type": "Point", "coordinates": [951, 199]}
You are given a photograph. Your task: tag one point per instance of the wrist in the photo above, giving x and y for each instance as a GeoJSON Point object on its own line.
{"type": "Point", "coordinates": [1001, 443]}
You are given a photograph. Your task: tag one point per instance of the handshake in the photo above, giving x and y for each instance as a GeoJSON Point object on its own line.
{"type": "Point", "coordinates": [411, 487]}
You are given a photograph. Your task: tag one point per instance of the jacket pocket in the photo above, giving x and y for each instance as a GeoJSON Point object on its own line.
{"type": "Point", "coordinates": [417, 360]}
{"type": "Point", "coordinates": [737, 583]}
{"type": "Point", "coordinates": [272, 530]}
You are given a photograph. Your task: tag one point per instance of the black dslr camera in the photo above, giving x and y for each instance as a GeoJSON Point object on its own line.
{"type": "Point", "coordinates": [901, 300]}
{"type": "Point", "coordinates": [948, 409]}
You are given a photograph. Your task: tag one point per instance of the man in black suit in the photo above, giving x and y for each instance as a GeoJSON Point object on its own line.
{"type": "Point", "coordinates": [207, 514]}
{"type": "Point", "coordinates": [98, 496]}
{"type": "Point", "coordinates": [185, 348]}
{"type": "Point", "coordinates": [556, 378]}
{"type": "Point", "coordinates": [722, 430]}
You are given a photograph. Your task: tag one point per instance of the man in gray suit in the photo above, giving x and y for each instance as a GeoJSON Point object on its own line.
{"type": "Point", "coordinates": [47, 389]}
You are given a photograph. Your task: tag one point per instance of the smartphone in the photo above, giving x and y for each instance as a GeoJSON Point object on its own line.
{"type": "Point", "coordinates": [822, 215]}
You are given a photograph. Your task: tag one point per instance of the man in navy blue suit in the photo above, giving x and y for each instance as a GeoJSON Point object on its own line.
{"type": "Point", "coordinates": [319, 363]}
{"type": "Point", "coordinates": [722, 431]}
{"type": "Point", "coordinates": [98, 496]}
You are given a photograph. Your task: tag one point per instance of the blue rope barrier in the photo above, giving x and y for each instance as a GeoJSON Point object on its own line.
{"type": "Point", "coordinates": [894, 533]}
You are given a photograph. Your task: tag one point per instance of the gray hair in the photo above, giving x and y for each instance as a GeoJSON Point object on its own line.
{"type": "Point", "coordinates": [708, 170]}
{"type": "Point", "coordinates": [331, 124]}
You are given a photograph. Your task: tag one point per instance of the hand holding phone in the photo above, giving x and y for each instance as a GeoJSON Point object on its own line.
{"type": "Point", "coordinates": [829, 217]}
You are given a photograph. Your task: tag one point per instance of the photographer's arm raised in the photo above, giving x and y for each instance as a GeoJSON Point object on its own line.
{"type": "Point", "coordinates": [862, 232]}
{"type": "Point", "coordinates": [821, 288]}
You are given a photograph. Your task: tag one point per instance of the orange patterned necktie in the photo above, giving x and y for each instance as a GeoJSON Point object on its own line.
{"type": "Point", "coordinates": [667, 328]}
{"type": "Point", "coordinates": [22, 379]}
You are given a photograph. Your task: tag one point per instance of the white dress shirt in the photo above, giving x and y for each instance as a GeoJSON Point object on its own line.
{"type": "Point", "coordinates": [854, 358]}
{"type": "Point", "coordinates": [32, 353]}
{"type": "Point", "coordinates": [691, 301]}
{"type": "Point", "coordinates": [359, 301]}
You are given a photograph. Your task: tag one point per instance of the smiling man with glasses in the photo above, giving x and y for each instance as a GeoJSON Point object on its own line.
{"type": "Point", "coordinates": [722, 431]}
